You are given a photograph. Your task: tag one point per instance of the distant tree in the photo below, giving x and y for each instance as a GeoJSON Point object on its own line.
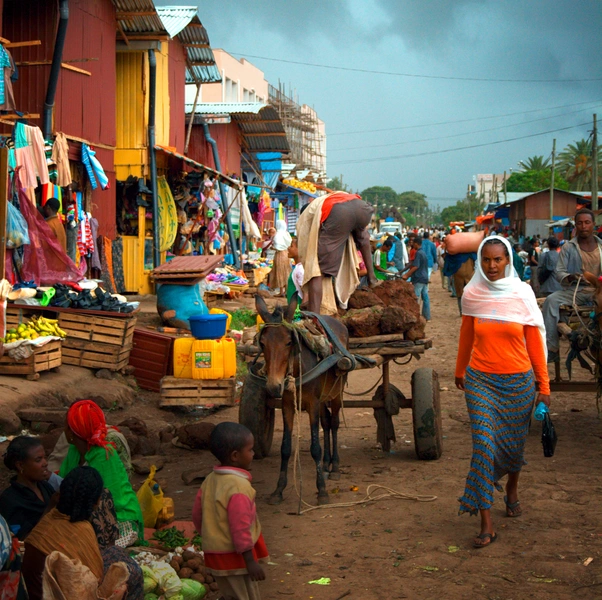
{"type": "Point", "coordinates": [337, 185]}
{"type": "Point", "coordinates": [533, 181]}
{"type": "Point", "coordinates": [380, 195]}
{"type": "Point", "coordinates": [535, 163]}
{"type": "Point", "coordinates": [457, 212]}
{"type": "Point", "coordinates": [575, 164]}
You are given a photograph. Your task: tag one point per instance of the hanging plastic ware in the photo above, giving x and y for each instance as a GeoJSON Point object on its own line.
{"type": "Point", "coordinates": [17, 232]}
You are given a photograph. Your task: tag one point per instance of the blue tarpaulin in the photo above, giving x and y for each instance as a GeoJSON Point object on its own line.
{"type": "Point", "coordinates": [271, 167]}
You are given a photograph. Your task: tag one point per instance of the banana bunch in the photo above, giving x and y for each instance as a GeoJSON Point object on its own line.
{"type": "Point", "coordinates": [36, 327]}
{"type": "Point", "coordinates": [301, 185]}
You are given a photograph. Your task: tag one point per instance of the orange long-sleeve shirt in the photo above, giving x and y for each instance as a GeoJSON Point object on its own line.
{"type": "Point", "coordinates": [502, 347]}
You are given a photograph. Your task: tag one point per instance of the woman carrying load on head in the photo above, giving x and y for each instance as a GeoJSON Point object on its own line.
{"type": "Point", "coordinates": [86, 433]}
{"type": "Point", "coordinates": [501, 362]}
{"type": "Point", "coordinates": [281, 268]}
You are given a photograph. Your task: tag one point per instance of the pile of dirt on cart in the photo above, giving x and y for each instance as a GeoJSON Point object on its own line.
{"type": "Point", "coordinates": [392, 307]}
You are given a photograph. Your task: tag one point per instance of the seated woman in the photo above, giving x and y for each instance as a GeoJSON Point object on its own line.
{"type": "Point", "coordinates": [104, 522]}
{"type": "Point", "coordinates": [86, 433]}
{"type": "Point", "coordinates": [29, 495]}
{"type": "Point", "coordinates": [66, 529]}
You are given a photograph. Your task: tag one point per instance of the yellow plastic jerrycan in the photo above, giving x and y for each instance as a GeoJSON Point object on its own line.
{"type": "Point", "coordinates": [208, 359]}
{"type": "Point", "coordinates": [220, 311]}
{"type": "Point", "coordinates": [229, 357]}
{"type": "Point", "coordinates": [182, 357]}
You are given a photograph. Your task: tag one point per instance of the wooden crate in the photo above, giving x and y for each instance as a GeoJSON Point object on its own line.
{"type": "Point", "coordinates": [94, 355]}
{"type": "Point", "coordinates": [44, 358]}
{"type": "Point", "coordinates": [257, 276]}
{"type": "Point", "coordinates": [211, 299]}
{"type": "Point", "coordinates": [197, 392]}
{"type": "Point", "coordinates": [105, 330]}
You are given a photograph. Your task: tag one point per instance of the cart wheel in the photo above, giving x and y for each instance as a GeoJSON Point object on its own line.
{"type": "Point", "coordinates": [255, 414]}
{"type": "Point", "coordinates": [426, 414]}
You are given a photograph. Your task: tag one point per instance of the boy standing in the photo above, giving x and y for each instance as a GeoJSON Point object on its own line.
{"type": "Point", "coordinates": [418, 271]}
{"type": "Point", "coordinates": [225, 515]}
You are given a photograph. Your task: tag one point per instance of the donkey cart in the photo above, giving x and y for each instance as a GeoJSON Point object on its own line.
{"type": "Point", "coordinates": [257, 406]}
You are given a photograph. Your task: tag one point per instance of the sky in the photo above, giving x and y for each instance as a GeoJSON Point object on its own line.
{"type": "Point", "coordinates": [389, 129]}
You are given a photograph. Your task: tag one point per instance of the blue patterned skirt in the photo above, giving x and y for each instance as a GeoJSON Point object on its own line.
{"type": "Point", "coordinates": [500, 408]}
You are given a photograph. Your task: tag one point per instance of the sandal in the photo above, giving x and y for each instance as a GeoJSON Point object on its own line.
{"type": "Point", "coordinates": [513, 509]}
{"type": "Point", "coordinates": [483, 537]}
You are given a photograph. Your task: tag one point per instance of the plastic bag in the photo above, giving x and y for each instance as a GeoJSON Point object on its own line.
{"type": "Point", "coordinates": [17, 232]}
{"type": "Point", "coordinates": [150, 497]}
{"type": "Point", "coordinates": [548, 436]}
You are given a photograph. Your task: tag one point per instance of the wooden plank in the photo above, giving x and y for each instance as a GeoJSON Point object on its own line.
{"type": "Point", "coordinates": [178, 382]}
{"type": "Point", "coordinates": [196, 402]}
{"type": "Point", "coordinates": [391, 352]}
{"type": "Point", "coordinates": [97, 320]}
{"type": "Point", "coordinates": [3, 208]}
{"type": "Point", "coordinates": [392, 337]}
{"type": "Point", "coordinates": [196, 394]}
{"type": "Point", "coordinates": [95, 347]}
{"type": "Point", "coordinates": [22, 44]}
{"type": "Point", "coordinates": [590, 387]}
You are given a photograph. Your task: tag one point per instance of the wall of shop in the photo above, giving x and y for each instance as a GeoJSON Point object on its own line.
{"type": "Point", "coordinates": [177, 92]}
{"type": "Point", "coordinates": [84, 104]}
{"type": "Point", "coordinates": [228, 138]}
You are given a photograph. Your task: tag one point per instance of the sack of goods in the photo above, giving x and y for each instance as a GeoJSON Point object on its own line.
{"type": "Point", "coordinates": [464, 242]}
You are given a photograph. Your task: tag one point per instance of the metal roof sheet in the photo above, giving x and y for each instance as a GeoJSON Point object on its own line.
{"type": "Point", "coordinates": [138, 16]}
{"type": "Point", "coordinates": [512, 197]}
{"type": "Point", "coordinates": [176, 18]}
{"type": "Point", "coordinates": [201, 61]}
{"type": "Point", "coordinates": [260, 124]}
{"type": "Point", "coordinates": [225, 108]}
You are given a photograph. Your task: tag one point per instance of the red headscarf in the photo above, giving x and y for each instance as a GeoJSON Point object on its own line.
{"type": "Point", "coordinates": [87, 421]}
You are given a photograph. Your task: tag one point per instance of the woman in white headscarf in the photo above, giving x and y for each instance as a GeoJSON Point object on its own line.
{"type": "Point", "coordinates": [281, 269]}
{"type": "Point", "coordinates": [501, 362]}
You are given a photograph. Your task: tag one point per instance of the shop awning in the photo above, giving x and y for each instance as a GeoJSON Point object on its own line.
{"type": "Point", "coordinates": [235, 183]}
{"type": "Point", "coordinates": [485, 218]}
{"type": "Point", "coordinates": [260, 124]}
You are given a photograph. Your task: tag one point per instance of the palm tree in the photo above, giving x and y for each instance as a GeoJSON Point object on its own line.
{"type": "Point", "coordinates": [535, 163]}
{"type": "Point", "coordinates": [575, 165]}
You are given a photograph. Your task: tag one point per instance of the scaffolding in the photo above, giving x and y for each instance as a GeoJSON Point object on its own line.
{"type": "Point", "coordinates": [305, 132]}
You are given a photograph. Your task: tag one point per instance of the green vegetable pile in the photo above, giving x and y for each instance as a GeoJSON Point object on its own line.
{"type": "Point", "coordinates": [243, 317]}
{"type": "Point", "coordinates": [170, 538]}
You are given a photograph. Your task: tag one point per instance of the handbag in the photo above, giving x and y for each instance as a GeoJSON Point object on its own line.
{"type": "Point", "coordinates": [548, 436]}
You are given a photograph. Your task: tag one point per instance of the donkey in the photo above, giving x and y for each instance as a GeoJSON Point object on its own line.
{"type": "Point", "coordinates": [284, 357]}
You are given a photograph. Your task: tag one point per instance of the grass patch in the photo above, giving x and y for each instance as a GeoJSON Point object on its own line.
{"type": "Point", "coordinates": [243, 317]}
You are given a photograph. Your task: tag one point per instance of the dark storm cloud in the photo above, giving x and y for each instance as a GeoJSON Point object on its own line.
{"type": "Point", "coordinates": [548, 37]}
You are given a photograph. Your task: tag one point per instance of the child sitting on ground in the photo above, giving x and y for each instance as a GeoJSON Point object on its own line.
{"type": "Point", "coordinates": [225, 515]}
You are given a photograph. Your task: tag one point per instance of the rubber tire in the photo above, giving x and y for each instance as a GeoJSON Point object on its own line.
{"type": "Point", "coordinates": [426, 414]}
{"type": "Point", "coordinates": [254, 413]}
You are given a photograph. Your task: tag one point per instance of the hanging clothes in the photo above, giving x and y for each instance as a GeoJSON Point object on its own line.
{"type": "Point", "coordinates": [49, 190]}
{"type": "Point", "coordinates": [35, 141]}
{"type": "Point", "coordinates": [25, 167]}
{"type": "Point", "coordinates": [8, 68]}
{"type": "Point", "coordinates": [60, 156]}
{"type": "Point", "coordinates": [94, 168]}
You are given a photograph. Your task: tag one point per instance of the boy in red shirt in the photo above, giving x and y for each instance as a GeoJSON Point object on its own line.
{"type": "Point", "coordinates": [225, 515]}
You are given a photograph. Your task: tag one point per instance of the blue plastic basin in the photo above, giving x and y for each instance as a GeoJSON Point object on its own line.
{"type": "Point", "coordinates": [208, 327]}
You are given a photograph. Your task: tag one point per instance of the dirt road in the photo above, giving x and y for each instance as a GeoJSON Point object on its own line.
{"type": "Point", "coordinates": [407, 549]}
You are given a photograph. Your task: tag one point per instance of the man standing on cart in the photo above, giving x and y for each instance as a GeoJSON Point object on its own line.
{"type": "Point", "coordinates": [328, 232]}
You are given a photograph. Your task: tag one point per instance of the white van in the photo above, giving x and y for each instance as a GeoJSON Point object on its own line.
{"type": "Point", "coordinates": [389, 228]}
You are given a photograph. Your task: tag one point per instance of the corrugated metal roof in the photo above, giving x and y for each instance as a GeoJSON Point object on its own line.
{"type": "Point", "coordinates": [512, 197]}
{"type": "Point", "coordinates": [201, 61]}
{"type": "Point", "coordinates": [175, 18]}
{"type": "Point", "coordinates": [260, 124]}
{"type": "Point", "coordinates": [138, 16]}
{"type": "Point", "coordinates": [225, 108]}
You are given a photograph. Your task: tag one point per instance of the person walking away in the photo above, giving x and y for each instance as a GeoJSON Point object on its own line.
{"type": "Point", "coordinates": [459, 268]}
{"type": "Point", "coordinates": [418, 271]}
{"type": "Point", "coordinates": [501, 356]}
{"type": "Point", "coordinates": [281, 268]}
{"type": "Point", "coordinates": [441, 263]}
{"type": "Point", "coordinates": [548, 284]}
{"type": "Point", "coordinates": [581, 254]}
{"type": "Point", "coordinates": [430, 250]}
{"type": "Point", "coordinates": [51, 209]}
{"type": "Point", "coordinates": [225, 515]}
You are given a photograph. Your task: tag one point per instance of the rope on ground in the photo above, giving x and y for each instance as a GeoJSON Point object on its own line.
{"type": "Point", "coordinates": [370, 496]}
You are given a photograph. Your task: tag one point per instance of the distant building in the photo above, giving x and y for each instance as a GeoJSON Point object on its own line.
{"type": "Point", "coordinates": [489, 187]}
